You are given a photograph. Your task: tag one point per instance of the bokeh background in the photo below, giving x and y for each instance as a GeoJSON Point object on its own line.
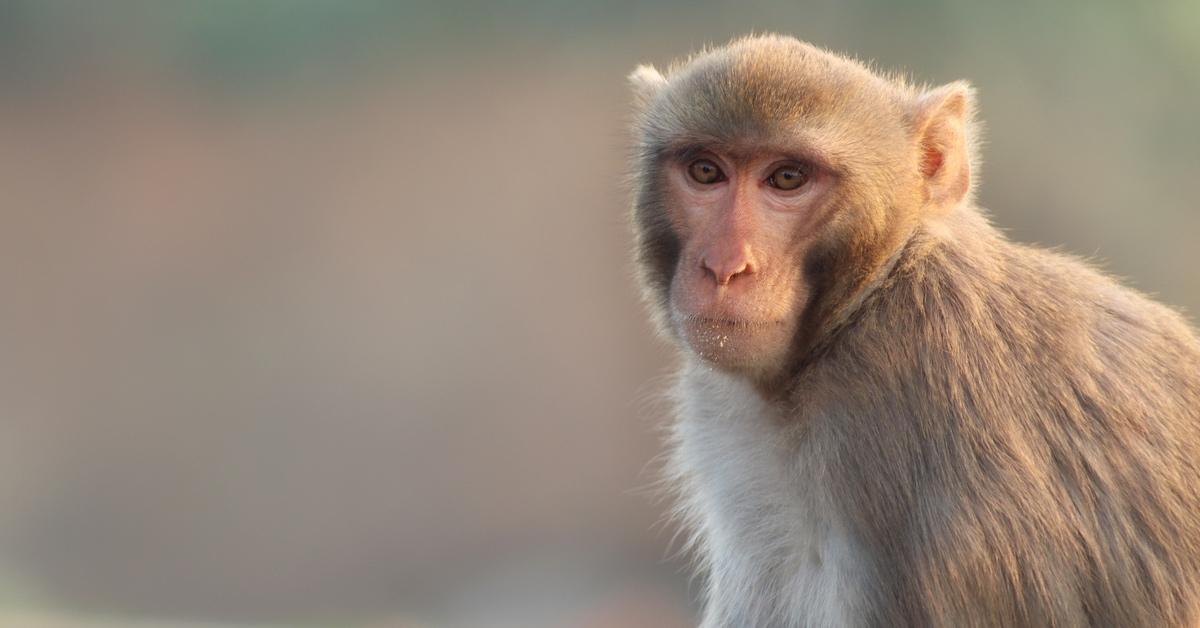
{"type": "Point", "coordinates": [319, 313]}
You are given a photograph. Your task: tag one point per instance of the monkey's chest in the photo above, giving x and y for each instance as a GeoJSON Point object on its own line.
{"type": "Point", "coordinates": [768, 521]}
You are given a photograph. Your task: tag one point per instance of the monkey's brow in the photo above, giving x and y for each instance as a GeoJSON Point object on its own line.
{"type": "Point", "coordinates": [687, 152]}
{"type": "Point", "coordinates": [743, 152]}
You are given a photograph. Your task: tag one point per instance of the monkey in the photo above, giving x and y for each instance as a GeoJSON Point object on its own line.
{"type": "Point", "coordinates": [887, 413]}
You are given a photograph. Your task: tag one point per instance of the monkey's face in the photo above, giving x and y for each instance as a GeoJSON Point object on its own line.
{"type": "Point", "coordinates": [744, 223]}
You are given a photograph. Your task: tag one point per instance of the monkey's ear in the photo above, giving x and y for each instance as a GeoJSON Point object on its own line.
{"type": "Point", "coordinates": [942, 125]}
{"type": "Point", "coordinates": [647, 82]}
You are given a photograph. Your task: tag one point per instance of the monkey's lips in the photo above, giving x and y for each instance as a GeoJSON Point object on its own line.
{"type": "Point", "coordinates": [725, 325]}
{"type": "Point", "coordinates": [734, 343]}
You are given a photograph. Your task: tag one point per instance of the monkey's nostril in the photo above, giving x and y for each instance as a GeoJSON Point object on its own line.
{"type": "Point", "coordinates": [723, 273]}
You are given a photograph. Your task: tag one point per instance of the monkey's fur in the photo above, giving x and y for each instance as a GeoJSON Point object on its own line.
{"type": "Point", "coordinates": [965, 431]}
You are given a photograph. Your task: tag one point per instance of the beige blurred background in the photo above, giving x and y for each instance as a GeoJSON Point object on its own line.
{"type": "Point", "coordinates": [319, 313]}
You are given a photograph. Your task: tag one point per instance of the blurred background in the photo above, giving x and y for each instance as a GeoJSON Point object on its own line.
{"type": "Point", "coordinates": [319, 313]}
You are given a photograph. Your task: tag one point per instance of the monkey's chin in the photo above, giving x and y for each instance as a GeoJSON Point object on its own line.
{"type": "Point", "coordinates": [740, 346]}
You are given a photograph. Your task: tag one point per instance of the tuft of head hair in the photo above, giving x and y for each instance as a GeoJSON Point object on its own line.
{"type": "Point", "coordinates": [647, 82]}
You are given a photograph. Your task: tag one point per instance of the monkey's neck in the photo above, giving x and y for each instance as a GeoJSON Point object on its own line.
{"type": "Point", "coordinates": [842, 304]}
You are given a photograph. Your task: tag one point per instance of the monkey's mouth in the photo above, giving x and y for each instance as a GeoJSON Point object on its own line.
{"type": "Point", "coordinates": [715, 323]}
{"type": "Point", "coordinates": [733, 343]}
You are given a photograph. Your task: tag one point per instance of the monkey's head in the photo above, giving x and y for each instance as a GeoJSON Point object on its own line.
{"type": "Point", "coordinates": [775, 183]}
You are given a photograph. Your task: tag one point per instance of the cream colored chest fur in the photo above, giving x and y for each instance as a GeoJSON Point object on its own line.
{"type": "Point", "coordinates": [764, 519]}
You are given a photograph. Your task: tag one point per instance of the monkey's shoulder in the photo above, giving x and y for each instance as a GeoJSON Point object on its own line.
{"type": "Point", "coordinates": [984, 310]}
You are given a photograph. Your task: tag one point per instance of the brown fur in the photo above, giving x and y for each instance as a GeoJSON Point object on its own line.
{"type": "Point", "coordinates": [1012, 437]}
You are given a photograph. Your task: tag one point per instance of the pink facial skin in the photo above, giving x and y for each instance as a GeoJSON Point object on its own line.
{"type": "Point", "coordinates": [737, 293]}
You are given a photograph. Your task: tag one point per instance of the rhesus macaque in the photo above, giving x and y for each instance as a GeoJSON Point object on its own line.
{"type": "Point", "coordinates": [888, 413]}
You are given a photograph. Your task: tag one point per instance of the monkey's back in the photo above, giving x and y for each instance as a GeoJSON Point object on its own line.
{"type": "Point", "coordinates": [1020, 436]}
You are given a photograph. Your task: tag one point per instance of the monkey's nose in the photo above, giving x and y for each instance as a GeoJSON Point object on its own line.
{"type": "Point", "coordinates": [724, 270]}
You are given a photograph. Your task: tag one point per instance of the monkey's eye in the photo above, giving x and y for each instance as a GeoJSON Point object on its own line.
{"type": "Point", "coordinates": [706, 172]}
{"type": "Point", "coordinates": [789, 177]}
